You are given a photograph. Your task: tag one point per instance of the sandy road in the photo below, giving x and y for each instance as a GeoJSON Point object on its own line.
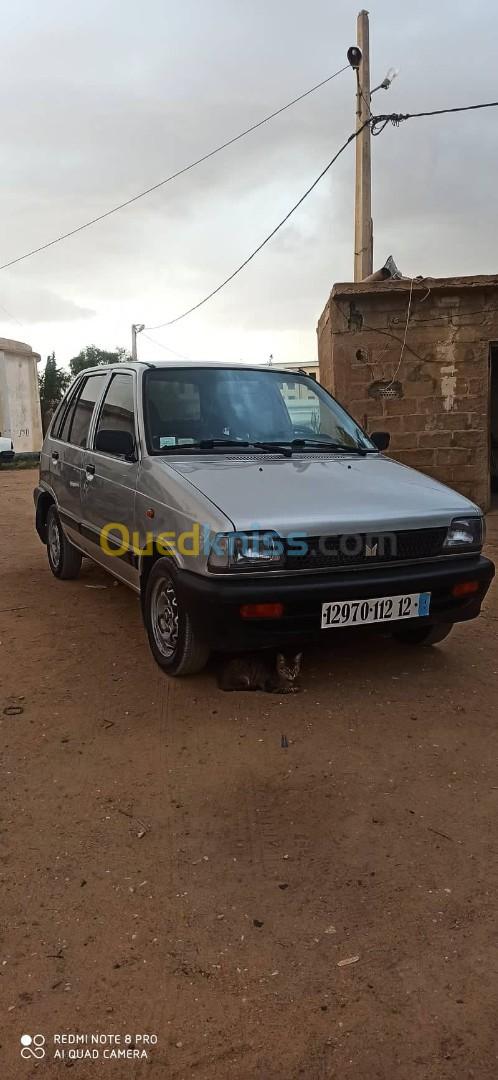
{"type": "Point", "coordinates": [170, 869]}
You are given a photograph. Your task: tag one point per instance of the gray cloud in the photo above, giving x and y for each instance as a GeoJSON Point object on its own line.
{"type": "Point", "coordinates": [39, 305]}
{"type": "Point", "coordinates": [103, 99]}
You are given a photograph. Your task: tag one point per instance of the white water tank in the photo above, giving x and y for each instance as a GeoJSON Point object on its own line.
{"type": "Point", "coordinates": [20, 416]}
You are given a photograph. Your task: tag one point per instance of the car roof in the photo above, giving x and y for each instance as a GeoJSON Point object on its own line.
{"type": "Point", "coordinates": [165, 365]}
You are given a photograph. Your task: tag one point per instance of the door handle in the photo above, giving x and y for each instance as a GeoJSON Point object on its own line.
{"type": "Point", "coordinates": [90, 470]}
{"type": "Point", "coordinates": [55, 455]}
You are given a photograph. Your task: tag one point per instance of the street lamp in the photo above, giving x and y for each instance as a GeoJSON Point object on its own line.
{"type": "Point", "coordinates": [392, 74]}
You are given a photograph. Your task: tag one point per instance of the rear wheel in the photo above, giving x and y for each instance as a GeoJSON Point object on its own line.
{"type": "Point", "coordinates": [64, 559]}
{"type": "Point", "coordinates": [423, 635]}
{"type": "Point", "coordinates": [175, 645]}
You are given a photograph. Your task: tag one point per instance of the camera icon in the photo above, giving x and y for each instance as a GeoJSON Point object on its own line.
{"type": "Point", "coordinates": [33, 1046]}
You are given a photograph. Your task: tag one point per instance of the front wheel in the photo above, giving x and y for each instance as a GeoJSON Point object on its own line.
{"type": "Point", "coordinates": [423, 635]}
{"type": "Point", "coordinates": [64, 559]}
{"type": "Point", "coordinates": [175, 645]}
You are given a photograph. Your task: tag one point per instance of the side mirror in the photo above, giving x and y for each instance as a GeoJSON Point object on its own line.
{"type": "Point", "coordinates": [113, 441]}
{"type": "Point", "coordinates": [381, 439]}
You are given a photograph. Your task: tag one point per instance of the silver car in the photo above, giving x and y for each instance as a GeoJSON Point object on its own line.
{"type": "Point", "coordinates": [247, 509]}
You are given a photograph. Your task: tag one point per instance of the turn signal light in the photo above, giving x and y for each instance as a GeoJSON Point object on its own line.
{"type": "Point", "coordinates": [262, 611]}
{"type": "Point", "coordinates": [465, 588]}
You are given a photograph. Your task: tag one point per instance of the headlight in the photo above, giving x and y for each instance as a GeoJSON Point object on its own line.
{"type": "Point", "coordinates": [465, 534]}
{"type": "Point", "coordinates": [246, 551]}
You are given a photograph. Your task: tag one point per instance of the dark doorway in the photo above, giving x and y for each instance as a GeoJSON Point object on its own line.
{"type": "Point", "coordinates": [493, 397]}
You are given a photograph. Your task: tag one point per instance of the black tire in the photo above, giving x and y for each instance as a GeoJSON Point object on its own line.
{"type": "Point", "coordinates": [64, 559]}
{"type": "Point", "coordinates": [423, 635]}
{"type": "Point", "coordinates": [174, 644]}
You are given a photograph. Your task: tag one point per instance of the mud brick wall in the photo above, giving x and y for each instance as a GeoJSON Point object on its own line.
{"type": "Point", "coordinates": [435, 403]}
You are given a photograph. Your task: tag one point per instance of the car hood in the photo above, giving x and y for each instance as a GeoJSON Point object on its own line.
{"type": "Point", "coordinates": [321, 493]}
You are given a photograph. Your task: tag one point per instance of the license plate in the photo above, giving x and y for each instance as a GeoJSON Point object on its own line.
{"type": "Point", "coordinates": [380, 609]}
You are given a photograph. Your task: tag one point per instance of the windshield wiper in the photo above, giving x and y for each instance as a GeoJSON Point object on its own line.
{"type": "Point", "coordinates": [286, 449]}
{"type": "Point", "coordinates": [212, 444]}
{"type": "Point", "coordinates": [299, 444]}
{"type": "Point", "coordinates": [202, 444]}
{"type": "Point", "coordinates": [209, 444]}
{"type": "Point", "coordinates": [268, 447]}
{"type": "Point", "coordinates": [275, 448]}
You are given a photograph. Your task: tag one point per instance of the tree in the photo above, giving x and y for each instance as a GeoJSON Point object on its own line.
{"type": "Point", "coordinates": [92, 356]}
{"type": "Point", "coordinates": [53, 384]}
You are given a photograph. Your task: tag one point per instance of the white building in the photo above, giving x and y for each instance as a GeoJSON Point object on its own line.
{"type": "Point", "coordinates": [20, 416]}
{"type": "Point", "coordinates": [311, 368]}
{"type": "Point", "coordinates": [301, 400]}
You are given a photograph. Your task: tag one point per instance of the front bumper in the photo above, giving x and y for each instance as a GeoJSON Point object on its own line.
{"type": "Point", "coordinates": [214, 603]}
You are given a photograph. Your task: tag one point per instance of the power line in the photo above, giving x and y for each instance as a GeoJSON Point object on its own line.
{"type": "Point", "coordinates": [360, 91]}
{"type": "Point", "coordinates": [403, 346]}
{"type": "Point", "coordinates": [398, 118]}
{"type": "Point", "coordinates": [11, 316]}
{"type": "Point", "coordinates": [175, 175]}
{"type": "Point", "coordinates": [374, 121]}
{"type": "Point", "coordinates": [167, 349]}
{"type": "Point", "coordinates": [443, 316]}
{"type": "Point", "coordinates": [267, 239]}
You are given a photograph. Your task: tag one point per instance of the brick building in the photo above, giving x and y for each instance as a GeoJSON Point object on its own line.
{"type": "Point", "coordinates": [437, 395]}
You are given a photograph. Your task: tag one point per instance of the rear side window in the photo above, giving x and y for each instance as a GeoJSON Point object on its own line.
{"type": "Point", "coordinates": [60, 421]}
{"type": "Point", "coordinates": [118, 410]}
{"type": "Point", "coordinates": [77, 422]}
{"type": "Point", "coordinates": [56, 420]}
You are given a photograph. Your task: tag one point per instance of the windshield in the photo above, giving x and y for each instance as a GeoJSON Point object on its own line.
{"type": "Point", "coordinates": [190, 406]}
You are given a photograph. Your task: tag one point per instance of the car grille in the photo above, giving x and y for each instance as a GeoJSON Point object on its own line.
{"type": "Point", "coordinates": [368, 550]}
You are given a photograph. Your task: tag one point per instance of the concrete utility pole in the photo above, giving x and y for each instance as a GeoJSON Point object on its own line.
{"type": "Point", "coordinates": [136, 329]}
{"type": "Point", "coordinates": [363, 225]}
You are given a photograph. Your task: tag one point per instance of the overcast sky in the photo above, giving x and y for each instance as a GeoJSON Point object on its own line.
{"type": "Point", "coordinates": [103, 98]}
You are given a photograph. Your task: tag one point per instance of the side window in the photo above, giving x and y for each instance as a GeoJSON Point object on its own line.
{"type": "Point", "coordinates": [61, 431]}
{"type": "Point", "coordinates": [54, 427]}
{"type": "Point", "coordinates": [118, 410]}
{"type": "Point", "coordinates": [79, 418]}
{"type": "Point", "coordinates": [60, 424]}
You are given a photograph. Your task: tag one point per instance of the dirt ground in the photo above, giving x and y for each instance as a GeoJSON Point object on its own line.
{"type": "Point", "coordinates": [171, 869]}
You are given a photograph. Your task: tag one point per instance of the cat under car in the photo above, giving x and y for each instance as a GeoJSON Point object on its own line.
{"type": "Point", "coordinates": [270, 672]}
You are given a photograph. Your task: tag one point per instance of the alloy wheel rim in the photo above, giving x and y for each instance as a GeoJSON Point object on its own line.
{"type": "Point", "coordinates": [164, 613]}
